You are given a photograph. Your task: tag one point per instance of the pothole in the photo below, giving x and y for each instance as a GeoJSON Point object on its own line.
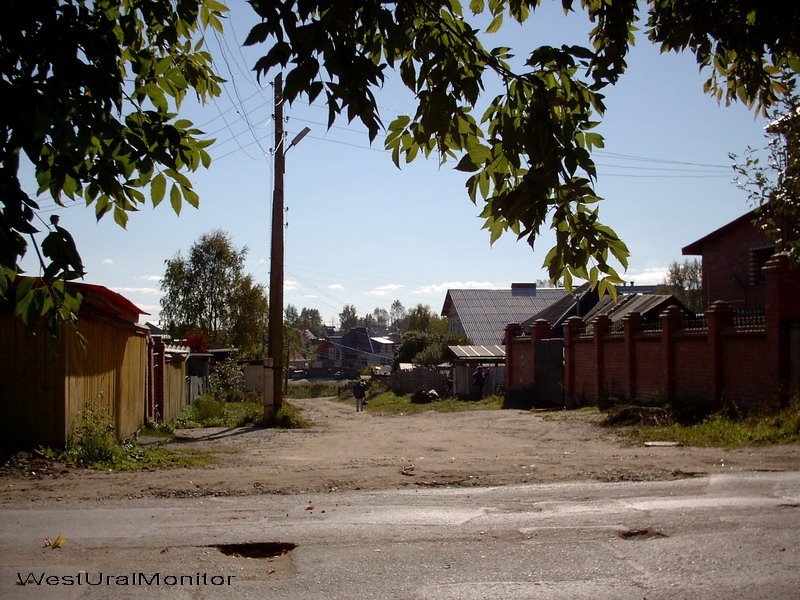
{"type": "Point", "coordinates": [640, 534]}
{"type": "Point", "coordinates": [256, 549]}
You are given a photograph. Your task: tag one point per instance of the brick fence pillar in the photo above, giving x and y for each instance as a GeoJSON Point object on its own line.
{"type": "Point", "coordinates": [633, 324]}
{"type": "Point", "coordinates": [782, 306]}
{"type": "Point", "coordinates": [720, 317]}
{"type": "Point", "coordinates": [671, 323]}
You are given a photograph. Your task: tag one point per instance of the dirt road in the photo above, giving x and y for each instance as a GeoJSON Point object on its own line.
{"type": "Point", "coordinates": [346, 450]}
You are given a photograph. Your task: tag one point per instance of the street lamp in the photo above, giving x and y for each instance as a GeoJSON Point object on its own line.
{"type": "Point", "coordinates": [275, 340]}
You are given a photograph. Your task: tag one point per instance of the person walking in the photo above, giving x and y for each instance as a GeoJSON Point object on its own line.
{"type": "Point", "coordinates": [360, 394]}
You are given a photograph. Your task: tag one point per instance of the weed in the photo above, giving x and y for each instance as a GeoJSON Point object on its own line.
{"type": "Point", "coordinates": [93, 440]}
{"type": "Point", "coordinates": [93, 444]}
{"type": "Point", "coordinates": [721, 430]}
{"type": "Point", "coordinates": [389, 402]}
{"type": "Point", "coordinates": [287, 417]}
{"type": "Point", "coordinates": [206, 411]}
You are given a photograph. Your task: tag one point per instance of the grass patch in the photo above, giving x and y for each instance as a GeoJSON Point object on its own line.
{"type": "Point", "coordinates": [287, 417]}
{"type": "Point", "coordinates": [206, 411]}
{"type": "Point", "coordinates": [391, 403]}
{"type": "Point", "coordinates": [725, 432]}
{"type": "Point", "coordinates": [312, 389]}
{"type": "Point", "coordinates": [93, 444]}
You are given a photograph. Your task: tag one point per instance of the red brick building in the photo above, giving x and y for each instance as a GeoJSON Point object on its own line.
{"type": "Point", "coordinates": [732, 258]}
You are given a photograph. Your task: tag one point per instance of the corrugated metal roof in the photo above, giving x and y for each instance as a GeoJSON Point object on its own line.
{"type": "Point", "coordinates": [647, 305]}
{"type": "Point", "coordinates": [484, 314]}
{"type": "Point", "coordinates": [479, 352]}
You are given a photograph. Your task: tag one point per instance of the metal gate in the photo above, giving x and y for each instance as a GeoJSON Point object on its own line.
{"type": "Point", "coordinates": [549, 373]}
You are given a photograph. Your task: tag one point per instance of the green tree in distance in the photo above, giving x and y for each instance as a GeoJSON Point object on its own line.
{"type": "Point", "coordinates": [91, 89]}
{"type": "Point", "coordinates": [348, 318]}
{"type": "Point", "coordinates": [685, 282]}
{"type": "Point", "coordinates": [529, 155]}
{"type": "Point", "coordinates": [208, 292]}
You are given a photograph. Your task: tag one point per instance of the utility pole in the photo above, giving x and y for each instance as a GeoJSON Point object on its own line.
{"type": "Point", "coordinates": [275, 340]}
{"type": "Point", "coordinates": [275, 345]}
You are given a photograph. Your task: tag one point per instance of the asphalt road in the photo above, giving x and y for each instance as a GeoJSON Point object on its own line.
{"type": "Point", "coordinates": [724, 536]}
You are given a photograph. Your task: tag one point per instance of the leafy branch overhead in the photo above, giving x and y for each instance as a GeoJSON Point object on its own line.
{"type": "Point", "coordinates": [528, 153]}
{"type": "Point", "coordinates": [95, 86]}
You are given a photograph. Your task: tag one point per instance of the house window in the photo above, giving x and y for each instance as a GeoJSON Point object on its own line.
{"type": "Point", "coordinates": [758, 258]}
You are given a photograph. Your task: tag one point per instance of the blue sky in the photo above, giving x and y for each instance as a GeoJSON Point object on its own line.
{"type": "Point", "coordinates": [362, 232]}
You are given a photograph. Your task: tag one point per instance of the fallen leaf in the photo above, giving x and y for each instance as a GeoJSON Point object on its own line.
{"type": "Point", "coordinates": [56, 543]}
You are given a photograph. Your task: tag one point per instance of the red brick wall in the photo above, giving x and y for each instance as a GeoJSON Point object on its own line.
{"type": "Point", "coordinates": [615, 363]}
{"type": "Point", "coordinates": [649, 373]}
{"type": "Point", "coordinates": [693, 366]}
{"type": "Point", "coordinates": [725, 362]}
{"type": "Point", "coordinates": [727, 267]}
{"type": "Point", "coordinates": [746, 376]}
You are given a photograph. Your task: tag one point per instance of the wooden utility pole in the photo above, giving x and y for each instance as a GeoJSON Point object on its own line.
{"type": "Point", "coordinates": [275, 345]}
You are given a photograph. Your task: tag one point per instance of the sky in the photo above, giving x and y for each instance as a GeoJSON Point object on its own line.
{"type": "Point", "coordinates": [361, 231]}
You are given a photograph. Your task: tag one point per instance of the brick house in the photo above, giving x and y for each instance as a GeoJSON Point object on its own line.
{"type": "Point", "coordinates": [733, 257]}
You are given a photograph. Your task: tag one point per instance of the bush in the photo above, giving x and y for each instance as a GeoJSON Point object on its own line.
{"type": "Point", "coordinates": [287, 417]}
{"type": "Point", "coordinates": [207, 411]}
{"type": "Point", "coordinates": [93, 443]}
{"type": "Point", "coordinates": [93, 440]}
{"type": "Point", "coordinates": [226, 381]}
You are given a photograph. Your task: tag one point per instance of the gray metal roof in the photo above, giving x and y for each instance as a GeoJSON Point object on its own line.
{"type": "Point", "coordinates": [484, 314]}
{"type": "Point", "coordinates": [648, 305]}
{"type": "Point", "coordinates": [479, 352]}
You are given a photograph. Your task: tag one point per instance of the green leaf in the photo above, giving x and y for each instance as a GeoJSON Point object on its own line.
{"type": "Point", "coordinates": [496, 24]}
{"type": "Point", "coordinates": [175, 198]}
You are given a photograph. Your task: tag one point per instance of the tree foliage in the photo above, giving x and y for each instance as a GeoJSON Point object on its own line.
{"type": "Point", "coordinates": [90, 90]}
{"type": "Point", "coordinates": [307, 318]}
{"type": "Point", "coordinates": [348, 318]}
{"type": "Point", "coordinates": [528, 156]}
{"type": "Point", "coordinates": [771, 176]}
{"type": "Point", "coordinates": [208, 292]}
{"type": "Point", "coordinates": [685, 282]}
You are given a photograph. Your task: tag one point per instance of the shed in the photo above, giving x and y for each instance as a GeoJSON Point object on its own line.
{"type": "Point", "coordinates": [467, 358]}
{"type": "Point", "coordinates": [45, 392]}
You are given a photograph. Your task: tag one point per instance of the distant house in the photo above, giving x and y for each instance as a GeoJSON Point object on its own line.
{"type": "Point", "coordinates": [361, 348]}
{"type": "Point", "coordinates": [328, 355]}
{"type": "Point", "coordinates": [733, 257]}
{"type": "Point", "coordinates": [45, 393]}
{"type": "Point", "coordinates": [482, 315]}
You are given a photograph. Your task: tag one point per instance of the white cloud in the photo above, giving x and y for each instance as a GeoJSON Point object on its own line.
{"type": "Point", "coordinates": [310, 296]}
{"type": "Point", "coordinates": [150, 277]}
{"type": "Point", "coordinates": [289, 285]}
{"type": "Point", "coordinates": [107, 261]}
{"type": "Point", "coordinates": [647, 276]}
{"type": "Point", "coordinates": [441, 288]}
{"type": "Point", "coordinates": [336, 286]}
{"type": "Point", "coordinates": [384, 290]}
{"type": "Point", "coordinates": [150, 309]}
